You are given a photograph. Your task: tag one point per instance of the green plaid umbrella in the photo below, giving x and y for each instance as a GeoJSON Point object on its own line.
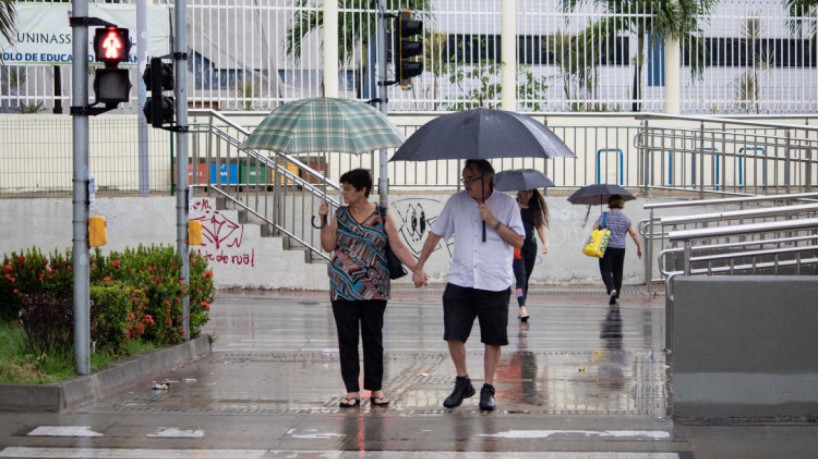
{"type": "Point", "coordinates": [324, 124]}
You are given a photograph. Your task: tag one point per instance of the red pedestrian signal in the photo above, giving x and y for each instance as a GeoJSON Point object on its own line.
{"type": "Point", "coordinates": [112, 45]}
{"type": "Point", "coordinates": [112, 85]}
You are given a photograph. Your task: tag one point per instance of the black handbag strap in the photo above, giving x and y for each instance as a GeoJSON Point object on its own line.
{"type": "Point", "coordinates": [382, 212]}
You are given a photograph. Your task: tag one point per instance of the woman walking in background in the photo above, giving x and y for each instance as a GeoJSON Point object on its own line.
{"type": "Point", "coordinates": [534, 213]}
{"type": "Point", "coordinates": [359, 282]}
{"type": "Point", "coordinates": [612, 264]}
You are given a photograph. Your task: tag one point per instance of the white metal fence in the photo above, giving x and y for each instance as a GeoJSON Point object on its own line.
{"type": "Point", "coordinates": [759, 59]}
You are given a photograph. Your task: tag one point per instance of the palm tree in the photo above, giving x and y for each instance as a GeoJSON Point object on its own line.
{"type": "Point", "coordinates": [801, 10]}
{"type": "Point", "coordinates": [578, 57]}
{"type": "Point", "coordinates": [7, 14]}
{"type": "Point", "coordinates": [357, 23]}
{"type": "Point", "coordinates": [675, 19]}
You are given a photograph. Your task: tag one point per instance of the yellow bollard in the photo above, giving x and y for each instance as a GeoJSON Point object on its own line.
{"type": "Point", "coordinates": [97, 235]}
{"type": "Point", "coordinates": [194, 232]}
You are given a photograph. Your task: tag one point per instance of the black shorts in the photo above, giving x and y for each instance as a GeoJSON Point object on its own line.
{"type": "Point", "coordinates": [462, 304]}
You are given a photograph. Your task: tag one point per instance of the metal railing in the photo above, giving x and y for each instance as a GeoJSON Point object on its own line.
{"type": "Point", "coordinates": [778, 247]}
{"type": "Point", "coordinates": [275, 190]}
{"type": "Point", "coordinates": [655, 229]}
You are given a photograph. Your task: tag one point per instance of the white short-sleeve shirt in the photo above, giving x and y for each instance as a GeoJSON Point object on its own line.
{"type": "Point", "coordinates": [477, 264]}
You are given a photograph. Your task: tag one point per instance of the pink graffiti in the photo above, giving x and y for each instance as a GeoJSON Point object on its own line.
{"type": "Point", "coordinates": [218, 230]}
{"type": "Point", "coordinates": [241, 259]}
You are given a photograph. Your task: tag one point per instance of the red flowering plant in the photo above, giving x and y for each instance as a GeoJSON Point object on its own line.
{"type": "Point", "coordinates": [20, 273]}
{"type": "Point", "coordinates": [136, 294]}
{"type": "Point", "coordinates": [157, 271]}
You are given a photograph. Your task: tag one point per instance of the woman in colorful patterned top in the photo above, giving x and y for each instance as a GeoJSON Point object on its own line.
{"type": "Point", "coordinates": [534, 213]}
{"type": "Point", "coordinates": [359, 282]}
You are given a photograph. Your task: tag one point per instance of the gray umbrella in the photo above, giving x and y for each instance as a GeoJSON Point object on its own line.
{"type": "Point", "coordinates": [598, 194]}
{"type": "Point", "coordinates": [482, 133]}
{"type": "Point", "coordinates": [521, 179]}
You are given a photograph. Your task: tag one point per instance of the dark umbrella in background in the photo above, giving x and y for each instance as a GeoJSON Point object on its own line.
{"type": "Point", "coordinates": [482, 133]}
{"type": "Point", "coordinates": [598, 194]}
{"type": "Point", "coordinates": [521, 179]}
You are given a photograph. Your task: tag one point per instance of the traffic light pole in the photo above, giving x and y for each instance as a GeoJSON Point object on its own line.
{"type": "Point", "coordinates": [383, 102]}
{"type": "Point", "coordinates": [183, 191]}
{"type": "Point", "coordinates": [80, 177]}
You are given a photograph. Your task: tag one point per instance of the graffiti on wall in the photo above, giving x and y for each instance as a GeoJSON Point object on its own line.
{"type": "Point", "coordinates": [415, 218]}
{"type": "Point", "coordinates": [222, 238]}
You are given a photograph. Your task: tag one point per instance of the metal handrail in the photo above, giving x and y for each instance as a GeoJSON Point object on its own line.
{"type": "Point", "coordinates": [282, 175]}
{"type": "Point", "coordinates": [738, 214]}
{"type": "Point", "coordinates": [765, 227]}
{"type": "Point", "coordinates": [265, 220]}
{"type": "Point", "coordinates": [646, 227]}
{"type": "Point", "coordinates": [664, 254]}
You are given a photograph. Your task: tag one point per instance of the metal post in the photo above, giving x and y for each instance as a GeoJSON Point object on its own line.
{"type": "Point", "coordinates": [687, 251]}
{"type": "Point", "coordinates": [787, 161]}
{"type": "Point", "coordinates": [383, 97]}
{"type": "Point", "coordinates": [142, 126]}
{"type": "Point", "coordinates": [80, 263]}
{"type": "Point", "coordinates": [701, 160]}
{"type": "Point", "coordinates": [183, 191]}
{"type": "Point", "coordinates": [646, 161]}
{"type": "Point", "coordinates": [649, 252]}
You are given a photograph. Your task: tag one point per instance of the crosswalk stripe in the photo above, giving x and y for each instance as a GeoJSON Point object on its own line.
{"type": "Point", "coordinates": [140, 453]}
{"type": "Point", "coordinates": [136, 453]}
{"type": "Point", "coordinates": [63, 431]}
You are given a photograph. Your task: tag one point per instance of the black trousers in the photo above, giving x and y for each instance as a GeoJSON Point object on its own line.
{"type": "Point", "coordinates": [523, 269]}
{"type": "Point", "coordinates": [366, 318]}
{"type": "Point", "coordinates": [611, 266]}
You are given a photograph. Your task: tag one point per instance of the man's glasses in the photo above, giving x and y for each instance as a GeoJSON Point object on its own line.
{"type": "Point", "coordinates": [468, 180]}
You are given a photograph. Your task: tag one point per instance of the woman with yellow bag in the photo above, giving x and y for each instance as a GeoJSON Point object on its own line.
{"type": "Point", "coordinates": [612, 264]}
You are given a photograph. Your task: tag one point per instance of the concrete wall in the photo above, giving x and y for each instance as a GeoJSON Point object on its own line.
{"type": "Point", "coordinates": [744, 346]}
{"type": "Point", "coordinates": [242, 258]}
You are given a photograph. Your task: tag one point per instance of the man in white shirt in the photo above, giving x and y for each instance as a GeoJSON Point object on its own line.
{"type": "Point", "coordinates": [480, 280]}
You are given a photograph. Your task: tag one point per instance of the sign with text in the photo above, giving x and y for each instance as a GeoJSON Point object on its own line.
{"type": "Point", "coordinates": [44, 36]}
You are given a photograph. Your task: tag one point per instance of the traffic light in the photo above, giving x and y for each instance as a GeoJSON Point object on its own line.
{"type": "Point", "coordinates": [112, 85]}
{"type": "Point", "coordinates": [408, 44]}
{"type": "Point", "coordinates": [158, 77]}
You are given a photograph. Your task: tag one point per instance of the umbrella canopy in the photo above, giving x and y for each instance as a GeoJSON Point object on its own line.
{"type": "Point", "coordinates": [324, 124]}
{"type": "Point", "coordinates": [598, 194]}
{"type": "Point", "coordinates": [482, 134]}
{"type": "Point", "coordinates": [521, 179]}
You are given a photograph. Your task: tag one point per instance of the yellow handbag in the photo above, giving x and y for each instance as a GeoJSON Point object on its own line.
{"type": "Point", "coordinates": [598, 241]}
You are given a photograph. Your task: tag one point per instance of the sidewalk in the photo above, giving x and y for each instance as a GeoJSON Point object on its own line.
{"type": "Point", "coordinates": [581, 380]}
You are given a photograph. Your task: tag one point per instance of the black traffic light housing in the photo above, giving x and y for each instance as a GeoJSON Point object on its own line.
{"type": "Point", "coordinates": [158, 109]}
{"type": "Point", "coordinates": [408, 43]}
{"type": "Point", "coordinates": [112, 85]}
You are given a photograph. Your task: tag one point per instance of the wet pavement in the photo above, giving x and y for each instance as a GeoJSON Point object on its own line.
{"type": "Point", "coordinates": [580, 380]}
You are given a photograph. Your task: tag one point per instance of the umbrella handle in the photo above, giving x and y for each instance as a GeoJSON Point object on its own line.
{"type": "Point", "coordinates": [323, 222]}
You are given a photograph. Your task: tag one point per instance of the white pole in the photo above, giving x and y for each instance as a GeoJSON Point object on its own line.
{"type": "Point", "coordinates": [330, 48]}
{"type": "Point", "coordinates": [672, 81]}
{"type": "Point", "coordinates": [508, 50]}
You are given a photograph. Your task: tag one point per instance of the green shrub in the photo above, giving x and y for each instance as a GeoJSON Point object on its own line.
{"type": "Point", "coordinates": [137, 293]}
{"type": "Point", "coordinates": [117, 316]}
